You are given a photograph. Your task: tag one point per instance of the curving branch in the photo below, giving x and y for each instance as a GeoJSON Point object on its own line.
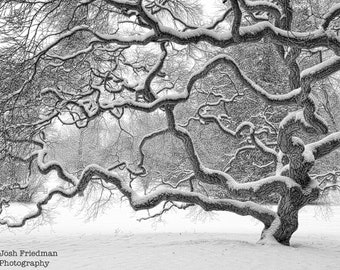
{"type": "Point", "coordinates": [330, 16]}
{"type": "Point", "coordinates": [262, 6]}
{"type": "Point", "coordinates": [104, 73]}
{"type": "Point", "coordinates": [323, 147]}
{"type": "Point", "coordinates": [260, 188]}
{"type": "Point", "coordinates": [138, 202]}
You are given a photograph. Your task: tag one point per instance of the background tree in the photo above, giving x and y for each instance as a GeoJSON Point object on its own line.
{"type": "Point", "coordinates": [189, 96]}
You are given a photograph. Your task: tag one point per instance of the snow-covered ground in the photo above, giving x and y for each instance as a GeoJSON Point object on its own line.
{"type": "Point", "coordinates": [117, 241]}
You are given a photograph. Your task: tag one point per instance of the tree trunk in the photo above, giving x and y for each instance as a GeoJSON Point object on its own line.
{"type": "Point", "coordinates": [288, 212]}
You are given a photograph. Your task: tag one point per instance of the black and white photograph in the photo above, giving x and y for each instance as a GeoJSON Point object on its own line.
{"type": "Point", "coordinates": [170, 134]}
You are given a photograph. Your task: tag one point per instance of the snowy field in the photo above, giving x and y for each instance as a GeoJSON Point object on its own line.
{"type": "Point", "coordinates": [117, 241]}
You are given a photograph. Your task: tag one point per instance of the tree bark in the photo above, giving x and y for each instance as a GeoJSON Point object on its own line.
{"type": "Point", "coordinates": [288, 212]}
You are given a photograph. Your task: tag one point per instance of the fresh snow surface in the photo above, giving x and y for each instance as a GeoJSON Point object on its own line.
{"type": "Point", "coordinates": [117, 241]}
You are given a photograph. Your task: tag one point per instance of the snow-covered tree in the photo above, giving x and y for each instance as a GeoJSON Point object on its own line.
{"type": "Point", "coordinates": [189, 87]}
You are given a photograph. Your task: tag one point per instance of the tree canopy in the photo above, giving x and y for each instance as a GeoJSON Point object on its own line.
{"type": "Point", "coordinates": [227, 105]}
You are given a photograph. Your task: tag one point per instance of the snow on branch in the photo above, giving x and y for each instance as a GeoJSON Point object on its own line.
{"type": "Point", "coordinates": [260, 188]}
{"type": "Point", "coordinates": [238, 131]}
{"type": "Point", "coordinates": [145, 87]}
{"type": "Point", "coordinates": [71, 56]}
{"type": "Point", "coordinates": [321, 70]}
{"type": "Point", "coordinates": [138, 202]}
{"type": "Point", "coordinates": [331, 15]}
{"type": "Point", "coordinates": [324, 146]}
{"type": "Point", "coordinates": [246, 34]}
{"type": "Point", "coordinates": [182, 97]}
{"type": "Point", "coordinates": [278, 99]}
{"type": "Point", "coordinates": [261, 6]}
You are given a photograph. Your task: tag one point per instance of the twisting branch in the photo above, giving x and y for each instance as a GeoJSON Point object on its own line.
{"type": "Point", "coordinates": [260, 188]}
{"type": "Point", "coordinates": [262, 6]}
{"type": "Point", "coordinates": [137, 202]}
{"type": "Point", "coordinates": [82, 67]}
{"type": "Point", "coordinates": [331, 15]}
